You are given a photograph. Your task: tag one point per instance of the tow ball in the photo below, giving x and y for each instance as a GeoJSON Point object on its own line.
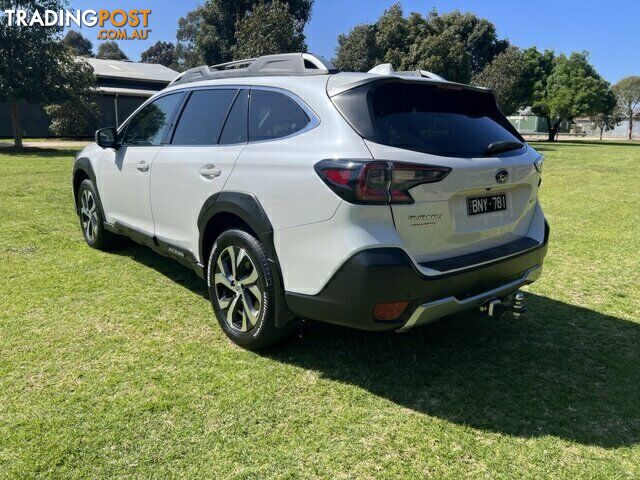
{"type": "Point", "coordinates": [497, 307]}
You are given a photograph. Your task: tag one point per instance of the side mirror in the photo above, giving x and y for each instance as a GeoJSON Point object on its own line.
{"type": "Point", "coordinates": [107, 138]}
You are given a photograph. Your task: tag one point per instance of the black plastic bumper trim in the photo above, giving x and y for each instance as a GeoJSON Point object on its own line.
{"type": "Point", "coordinates": [484, 256]}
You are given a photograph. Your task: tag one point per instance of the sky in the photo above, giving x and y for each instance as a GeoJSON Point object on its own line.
{"type": "Point", "coordinates": [608, 30]}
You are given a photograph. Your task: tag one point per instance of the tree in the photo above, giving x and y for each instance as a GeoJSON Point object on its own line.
{"type": "Point", "coordinates": [111, 51]}
{"type": "Point", "coordinates": [573, 89]}
{"type": "Point", "coordinates": [538, 67]}
{"type": "Point", "coordinates": [208, 33]}
{"type": "Point", "coordinates": [268, 29]}
{"type": "Point", "coordinates": [505, 75]}
{"type": "Point", "coordinates": [187, 55]}
{"type": "Point", "coordinates": [443, 54]}
{"type": "Point", "coordinates": [163, 53]}
{"type": "Point", "coordinates": [608, 117]}
{"type": "Point", "coordinates": [78, 44]}
{"type": "Point", "coordinates": [35, 66]}
{"type": "Point", "coordinates": [358, 50]}
{"type": "Point", "coordinates": [477, 34]}
{"type": "Point", "coordinates": [77, 117]}
{"type": "Point", "coordinates": [628, 92]}
{"type": "Point", "coordinates": [455, 45]}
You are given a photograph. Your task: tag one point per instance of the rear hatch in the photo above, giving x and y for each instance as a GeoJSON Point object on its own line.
{"type": "Point", "coordinates": [488, 197]}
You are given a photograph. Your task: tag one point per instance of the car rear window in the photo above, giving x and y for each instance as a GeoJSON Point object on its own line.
{"type": "Point", "coordinates": [274, 115]}
{"type": "Point", "coordinates": [440, 120]}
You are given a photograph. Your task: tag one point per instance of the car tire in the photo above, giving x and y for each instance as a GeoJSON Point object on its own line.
{"type": "Point", "coordinates": [92, 218]}
{"type": "Point", "coordinates": [242, 291]}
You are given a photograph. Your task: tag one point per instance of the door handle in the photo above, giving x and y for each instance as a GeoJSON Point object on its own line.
{"type": "Point", "coordinates": [142, 166]}
{"type": "Point", "coordinates": [210, 172]}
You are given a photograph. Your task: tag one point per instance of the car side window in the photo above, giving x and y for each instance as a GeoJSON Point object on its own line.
{"type": "Point", "coordinates": [149, 125]}
{"type": "Point", "coordinates": [274, 115]}
{"type": "Point", "coordinates": [235, 128]}
{"type": "Point", "coordinates": [203, 116]}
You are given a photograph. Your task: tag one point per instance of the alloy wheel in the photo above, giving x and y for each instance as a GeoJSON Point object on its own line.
{"type": "Point", "coordinates": [237, 289]}
{"type": "Point", "coordinates": [88, 215]}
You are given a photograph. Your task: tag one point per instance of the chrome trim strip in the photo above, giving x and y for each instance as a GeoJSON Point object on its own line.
{"type": "Point", "coordinates": [431, 311]}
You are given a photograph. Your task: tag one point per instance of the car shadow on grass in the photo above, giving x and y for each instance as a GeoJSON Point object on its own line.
{"type": "Point", "coordinates": [562, 370]}
{"type": "Point", "coordinates": [169, 268]}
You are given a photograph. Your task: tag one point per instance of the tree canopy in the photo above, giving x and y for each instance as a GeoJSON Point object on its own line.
{"type": "Point", "coordinates": [455, 45]}
{"type": "Point", "coordinates": [210, 33]}
{"type": "Point", "coordinates": [163, 53]}
{"type": "Point", "coordinates": [608, 116]}
{"type": "Point", "coordinates": [111, 51]}
{"type": "Point", "coordinates": [268, 29]}
{"type": "Point", "coordinates": [628, 92]}
{"type": "Point", "coordinates": [573, 89]}
{"type": "Point", "coordinates": [36, 67]}
{"type": "Point", "coordinates": [78, 44]}
{"type": "Point", "coordinates": [505, 75]}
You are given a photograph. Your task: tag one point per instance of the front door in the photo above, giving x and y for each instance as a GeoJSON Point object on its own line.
{"type": "Point", "coordinates": [195, 163]}
{"type": "Point", "coordinates": [125, 172]}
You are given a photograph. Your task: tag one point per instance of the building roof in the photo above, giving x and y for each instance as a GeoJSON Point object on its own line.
{"type": "Point", "coordinates": [151, 72]}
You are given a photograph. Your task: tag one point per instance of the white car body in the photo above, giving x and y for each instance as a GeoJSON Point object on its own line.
{"type": "Point", "coordinates": [158, 192]}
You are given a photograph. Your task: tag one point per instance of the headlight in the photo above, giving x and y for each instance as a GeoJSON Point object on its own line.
{"type": "Point", "coordinates": [538, 163]}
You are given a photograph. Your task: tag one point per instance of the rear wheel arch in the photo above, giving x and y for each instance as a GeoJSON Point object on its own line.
{"type": "Point", "coordinates": [227, 210]}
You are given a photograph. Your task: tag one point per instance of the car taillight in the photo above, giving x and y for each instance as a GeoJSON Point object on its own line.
{"type": "Point", "coordinates": [377, 182]}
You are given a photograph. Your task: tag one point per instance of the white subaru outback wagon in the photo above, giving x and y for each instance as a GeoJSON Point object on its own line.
{"type": "Point", "coordinates": [380, 200]}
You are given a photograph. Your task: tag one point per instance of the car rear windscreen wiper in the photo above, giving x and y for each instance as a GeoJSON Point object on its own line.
{"type": "Point", "coordinates": [502, 146]}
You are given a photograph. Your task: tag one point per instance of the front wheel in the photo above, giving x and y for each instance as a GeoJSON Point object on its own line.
{"type": "Point", "coordinates": [242, 291]}
{"type": "Point", "coordinates": [92, 218]}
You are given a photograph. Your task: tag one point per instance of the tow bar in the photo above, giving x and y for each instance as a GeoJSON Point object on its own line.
{"type": "Point", "coordinates": [497, 307]}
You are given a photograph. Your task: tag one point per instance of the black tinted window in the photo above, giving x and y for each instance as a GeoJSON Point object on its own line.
{"type": "Point", "coordinates": [425, 118]}
{"type": "Point", "coordinates": [150, 124]}
{"type": "Point", "coordinates": [274, 115]}
{"type": "Point", "coordinates": [202, 118]}
{"type": "Point", "coordinates": [235, 128]}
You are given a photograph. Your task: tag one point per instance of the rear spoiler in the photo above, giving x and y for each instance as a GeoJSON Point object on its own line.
{"type": "Point", "coordinates": [406, 77]}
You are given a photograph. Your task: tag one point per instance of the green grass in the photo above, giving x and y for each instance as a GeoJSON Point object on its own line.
{"type": "Point", "coordinates": [111, 364]}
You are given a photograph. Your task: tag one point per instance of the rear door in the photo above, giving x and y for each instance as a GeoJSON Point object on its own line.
{"type": "Point", "coordinates": [124, 173]}
{"type": "Point", "coordinates": [210, 133]}
{"type": "Point", "coordinates": [489, 196]}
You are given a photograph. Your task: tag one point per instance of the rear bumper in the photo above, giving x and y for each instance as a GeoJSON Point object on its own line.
{"type": "Point", "coordinates": [384, 275]}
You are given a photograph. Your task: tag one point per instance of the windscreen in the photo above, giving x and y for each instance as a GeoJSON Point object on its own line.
{"type": "Point", "coordinates": [440, 120]}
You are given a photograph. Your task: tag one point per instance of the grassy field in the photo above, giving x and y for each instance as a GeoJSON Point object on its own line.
{"type": "Point", "coordinates": [111, 364]}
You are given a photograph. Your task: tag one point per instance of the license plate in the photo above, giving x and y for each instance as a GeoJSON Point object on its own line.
{"type": "Point", "coordinates": [487, 204]}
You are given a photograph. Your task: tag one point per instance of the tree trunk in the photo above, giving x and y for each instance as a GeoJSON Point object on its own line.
{"type": "Point", "coordinates": [17, 128]}
{"type": "Point", "coordinates": [553, 129]}
{"type": "Point", "coordinates": [630, 124]}
{"type": "Point", "coordinates": [601, 130]}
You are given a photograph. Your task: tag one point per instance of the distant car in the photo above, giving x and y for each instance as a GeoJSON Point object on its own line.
{"type": "Point", "coordinates": [380, 200]}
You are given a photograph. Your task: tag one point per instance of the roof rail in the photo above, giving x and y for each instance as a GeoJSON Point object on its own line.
{"type": "Point", "coordinates": [269, 65]}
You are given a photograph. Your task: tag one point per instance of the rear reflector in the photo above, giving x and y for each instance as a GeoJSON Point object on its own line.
{"type": "Point", "coordinates": [389, 311]}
